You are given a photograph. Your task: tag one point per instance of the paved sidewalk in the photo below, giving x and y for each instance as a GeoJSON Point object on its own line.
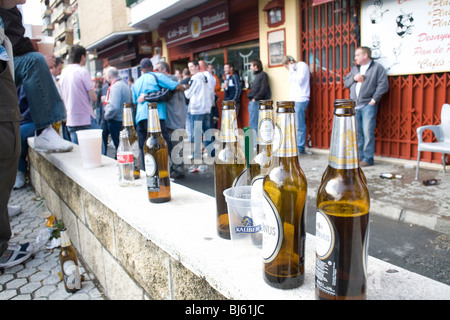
{"type": "Point", "coordinates": [38, 278]}
{"type": "Point", "coordinates": [403, 199]}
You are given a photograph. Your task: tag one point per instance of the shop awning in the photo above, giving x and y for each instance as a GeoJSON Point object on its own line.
{"type": "Point", "coordinates": [112, 38]}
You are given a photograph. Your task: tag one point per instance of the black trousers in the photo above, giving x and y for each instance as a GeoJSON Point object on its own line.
{"type": "Point", "coordinates": [9, 149]}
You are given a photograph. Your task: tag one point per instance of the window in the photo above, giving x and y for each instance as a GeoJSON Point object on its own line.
{"type": "Point", "coordinates": [239, 55]}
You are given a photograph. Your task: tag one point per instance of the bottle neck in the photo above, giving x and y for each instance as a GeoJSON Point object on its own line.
{"type": "Point", "coordinates": [285, 139]}
{"type": "Point", "coordinates": [228, 125]}
{"type": "Point", "coordinates": [344, 146]}
{"type": "Point", "coordinates": [153, 121]}
{"type": "Point", "coordinates": [127, 117]}
{"type": "Point", "coordinates": [65, 240]}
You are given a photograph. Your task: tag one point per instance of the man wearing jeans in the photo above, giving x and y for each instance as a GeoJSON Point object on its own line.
{"type": "Point", "coordinates": [299, 93]}
{"type": "Point", "coordinates": [118, 93]}
{"type": "Point", "coordinates": [367, 82]}
{"type": "Point", "coordinates": [31, 69]}
{"type": "Point", "coordinates": [200, 101]}
{"type": "Point", "coordinates": [78, 93]}
{"type": "Point", "coordinates": [258, 91]}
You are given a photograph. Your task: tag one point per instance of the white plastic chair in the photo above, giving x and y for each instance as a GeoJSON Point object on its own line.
{"type": "Point", "coordinates": [442, 134]}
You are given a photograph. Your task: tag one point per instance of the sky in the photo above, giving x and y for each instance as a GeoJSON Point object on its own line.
{"type": "Point", "coordinates": [32, 12]}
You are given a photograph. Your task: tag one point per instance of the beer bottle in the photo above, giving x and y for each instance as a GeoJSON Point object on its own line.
{"type": "Point", "coordinates": [229, 166]}
{"type": "Point", "coordinates": [342, 217]}
{"type": "Point", "coordinates": [132, 138]}
{"type": "Point", "coordinates": [260, 164]}
{"type": "Point", "coordinates": [284, 190]}
{"type": "Point", "coordinates": [69, 264]}
{"type": "Point", "coordinates": [156, 157]}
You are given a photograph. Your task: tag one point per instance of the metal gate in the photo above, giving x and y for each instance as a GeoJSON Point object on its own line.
{"type": "Point", "coordinates": [328, 39]}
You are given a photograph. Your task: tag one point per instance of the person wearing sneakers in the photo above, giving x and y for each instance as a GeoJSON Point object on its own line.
{"type": "Point", "coordinates": [31, 69]}
{"type": "Point", "coordinates": [11, 254]}
{"type": "Point", "coordinates": [367, 82]}
{"type": "Point", "coordinates": [299, 91]}
{"type": "Point", "coordinates": [78, 93]}
{"type": "Point", "coordinates": [200, 101]}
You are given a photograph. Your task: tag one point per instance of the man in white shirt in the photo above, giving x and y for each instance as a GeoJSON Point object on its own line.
{"type": "Point", "coordinates": [299, 93]}
{"type": "Point", "coordinates": [200, 102]}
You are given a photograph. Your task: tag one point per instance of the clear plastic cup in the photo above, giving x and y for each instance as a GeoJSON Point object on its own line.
{"type": "Point", "coordinates": [245, 216]}
{"type": "Point", "coordinates": [90, 142]}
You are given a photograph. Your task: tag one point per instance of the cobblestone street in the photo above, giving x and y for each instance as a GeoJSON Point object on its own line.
{"type": "Point", "coordinates": [38, 278]}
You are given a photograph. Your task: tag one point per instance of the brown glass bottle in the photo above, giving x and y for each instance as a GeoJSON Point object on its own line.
{"type": "Point", "coordinates": [69, 264]}
{"type": "Point", "coordinates": [228, 167]}
{"type": "Point", "coordinates": [132, 138]}
{"type": "Point", "coordinates": [156, 156]}
{"type": "Point", "coordinates": [284, 192]}
{"type": "Point", "coordinates": [342, 218]}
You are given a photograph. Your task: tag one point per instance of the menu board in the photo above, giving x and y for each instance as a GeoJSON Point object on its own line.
{"type": "Point", "coordinates": [407, 36]}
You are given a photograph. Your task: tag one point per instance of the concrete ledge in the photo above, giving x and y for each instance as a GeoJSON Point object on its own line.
{"type": "Point", "coordinates": [140, 250]}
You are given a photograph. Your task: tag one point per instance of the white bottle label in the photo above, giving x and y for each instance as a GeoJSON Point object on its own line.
{"type": "Point", "coordinates": [324, 236]}
{"type": "Point", "coordinates": [72, 277]}
{"type": "Point", "coordinates": [272, 230]}
{"type": "Point", "coordinates": [266, 131]}
{"type": "Point", "coordinates": [150, 165]}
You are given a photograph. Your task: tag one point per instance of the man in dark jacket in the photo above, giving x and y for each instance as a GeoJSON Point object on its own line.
{"type": "Point", "coordinates": [233, 87]}
{"type": "Point", "coordinates": [258, 91]}
{"type": "Point", "coordinates": [367, 82]}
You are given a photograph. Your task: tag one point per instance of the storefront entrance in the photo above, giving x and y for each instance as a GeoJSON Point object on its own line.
{"type": "Point", "coordinates": [330, 33]}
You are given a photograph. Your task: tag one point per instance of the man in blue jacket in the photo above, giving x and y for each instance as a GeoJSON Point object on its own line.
{"type": "Point", "coordinates": [146, 83]}
{"type": "Point", "coordinates": [367, 82]}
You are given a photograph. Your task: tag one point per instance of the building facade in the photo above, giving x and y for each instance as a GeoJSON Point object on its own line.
{"type": "Point", "coordinates": [323, 33]}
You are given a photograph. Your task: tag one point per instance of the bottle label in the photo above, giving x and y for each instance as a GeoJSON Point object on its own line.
{"type": "Point", "coordinates": [257, 197]}
{"type": "Point", "coordinates": [151, 170]}
{"type": "Point", "coordinates": [344, 146]}
{"type": "Point", "coordinates": [127, 117]}
{"type": "Point", "coordinates": [285, 137]}
{"type": "Point", "coordinates": [265, 127]}
{"type": "Point", "coordinates": [71, 273]}
{"type": "Point", "coordinates": [124, 158]}
{"type": "Point", "coordinates": [228, 126]}
{"type": "Point", "coordinates": [327, 254]}
{"type": "Point", "coordinates": [153, 124]}
{"type": "Point", "coordinates": [241, 179]}
{"type": "Point", "coordinates": [272, 230]}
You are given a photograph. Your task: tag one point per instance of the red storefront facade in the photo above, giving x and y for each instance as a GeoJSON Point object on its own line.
{"type": "Point", "coordinates": [329, 34]}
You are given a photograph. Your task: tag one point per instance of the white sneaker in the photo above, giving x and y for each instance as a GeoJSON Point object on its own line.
{"type": "Point", "coordinates": [20, 180]}
{"type": "Point", "coordinates": [14, 210]}
{"type": "Point", "coordinates": [50, 141]}
{"type": "Point", "coordinates": [16, 254]}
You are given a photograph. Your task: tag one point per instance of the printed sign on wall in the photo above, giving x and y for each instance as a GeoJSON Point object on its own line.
{"type": "Point", "coordinates": [407, 36]}
{"type": "Point", "coordinates": [199, 25]}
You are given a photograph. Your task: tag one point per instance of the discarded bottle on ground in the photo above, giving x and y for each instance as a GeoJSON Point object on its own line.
{"type": "Point", "coordinates": [390, 176]}
{"type": "Point", "coordinates": [125, 161]}
{"type": "Point", "coordinates": [229, 166]}
{"type": "Point", "coordinates": [69, 264]}
{"type": "Point", "coordinates": [133, 138]}
{"type": "Point", "coordinates": [156, 156]}
{"type": "Point", "coordinates": [430, 182]}
{"type": "Point", "coordinates": [284, 192]}
{"type": "Point", "coordinates": [342, 217]}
